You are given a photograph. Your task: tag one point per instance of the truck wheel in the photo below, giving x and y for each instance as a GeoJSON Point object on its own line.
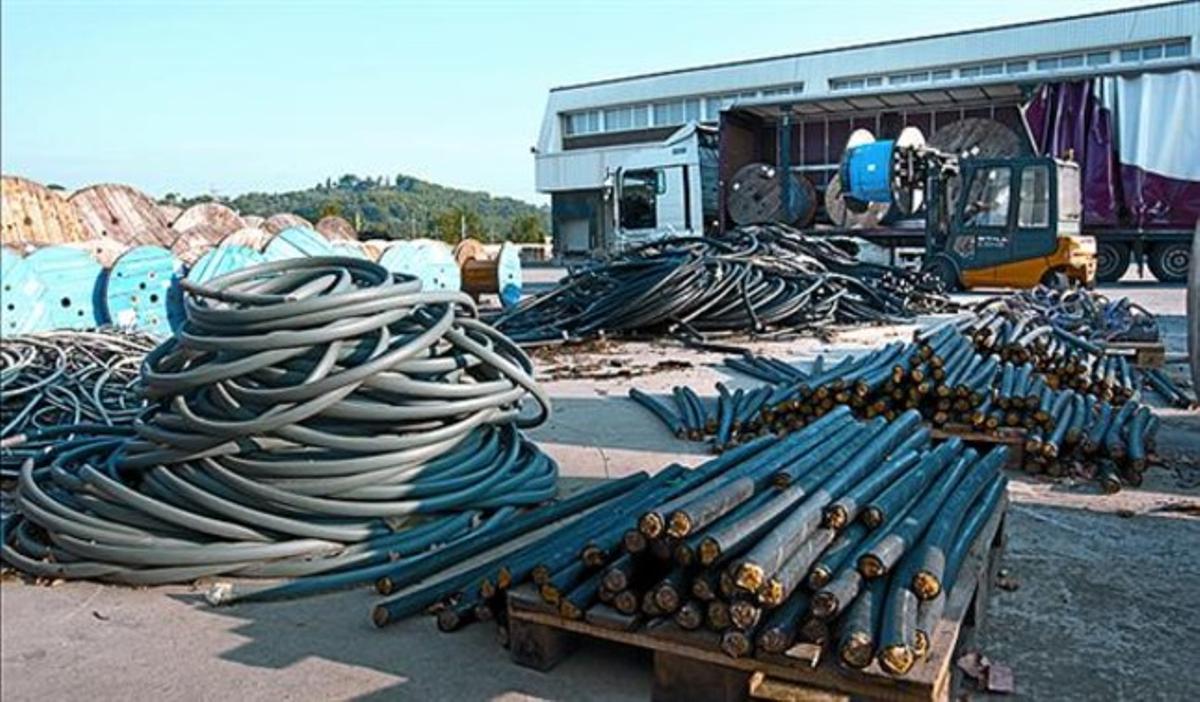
{"type": "Point", "coordinates": [944, 269]}
{"type": "Point", "coordinates": [1169, 262]}
{"type": "Point", "coordinates": [1112, 260]}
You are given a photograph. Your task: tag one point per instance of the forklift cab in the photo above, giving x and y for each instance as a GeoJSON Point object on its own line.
{"type": "Point", "coordinates": [1011, 222]}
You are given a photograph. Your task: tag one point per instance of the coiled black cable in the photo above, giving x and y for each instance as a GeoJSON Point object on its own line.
{"type": "Point", "coordinates": [312, 416]}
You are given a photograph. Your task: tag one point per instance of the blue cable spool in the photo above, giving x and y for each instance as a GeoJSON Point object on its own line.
{"type": "Point", "coordinates": [297, 242]}
{"type": "Point", "coordinates": [21, 292]}
{"type": "Point", "coordinates": [142, 290]}
{"type": "Point", "coordinates": [431, 262]}
{"type": "Point", "coordinates": [508, 274]}
{"type": "Point", "coordinates": [73, 293]}
{"type": "Point", "coordinates": [226, 258]}
{"type": "Point", "coordinates": [866, 172]}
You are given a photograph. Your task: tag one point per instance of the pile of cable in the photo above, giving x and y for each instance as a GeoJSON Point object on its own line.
{"type": "Point", "coordinates": [847, 534]}
{"type": "Point", "coordinates": [941, 375]}
{"type": "Point", "coordinates": [54, 379]}
{"type": "Point", "coordinates": [312, 419]}
{"type": "Point", "coordinates": [758, 280]}
{"type": "Point", "coordinates": [1076, 312]}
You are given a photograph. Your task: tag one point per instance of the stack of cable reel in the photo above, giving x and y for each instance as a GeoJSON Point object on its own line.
{"type": "Point", "coordinates": [483, 274]}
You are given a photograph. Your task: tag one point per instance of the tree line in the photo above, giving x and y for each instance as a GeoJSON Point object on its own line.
{"type": "Point", "coordinates": [401, 207]}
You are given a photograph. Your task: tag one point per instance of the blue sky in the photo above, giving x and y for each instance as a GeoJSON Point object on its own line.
{"type": "Point", "coordinates": [226, 97]}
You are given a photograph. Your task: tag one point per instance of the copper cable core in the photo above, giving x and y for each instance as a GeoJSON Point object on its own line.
{"type": "Point", "coordinates": [709, 551]}
{"type": "Point", "coordinates": [856, 652]}
{"type": "Point", "coordinates": [681, 525]}
{"type": "Point", "coordinates": [750, 577]}
{"type": "Point", "coordinates": [897, 660]}
{"type": "Point", "coordinates": [925, 585]}
{"type": "Point", "coordinates": [871, 566]}
{"type": "Point", "coordinates": [379, 616]}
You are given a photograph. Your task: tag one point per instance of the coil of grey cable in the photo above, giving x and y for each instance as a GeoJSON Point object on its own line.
{"type": "Point", "coordinates": [312, 416]}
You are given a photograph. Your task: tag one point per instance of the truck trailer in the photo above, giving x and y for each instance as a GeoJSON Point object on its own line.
{"type": "Point", "coordinates": [1136, 140]}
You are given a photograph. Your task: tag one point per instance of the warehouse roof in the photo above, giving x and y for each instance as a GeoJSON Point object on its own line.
{"type": "Point", "coordinates": [875, 44]}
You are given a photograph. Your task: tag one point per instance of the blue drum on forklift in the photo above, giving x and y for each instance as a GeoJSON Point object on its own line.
{"type": "Point", "coordinates": [867, 172]}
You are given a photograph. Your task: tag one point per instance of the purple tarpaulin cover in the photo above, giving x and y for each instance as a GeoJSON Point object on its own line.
{"type": "Point", "coordinates": [1146, 171]}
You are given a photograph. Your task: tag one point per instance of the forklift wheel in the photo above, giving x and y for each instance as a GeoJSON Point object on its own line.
{"type": "Point", "coordinates": [944, 268]}
{"type": "Point", "coordinates": [1056, 280]}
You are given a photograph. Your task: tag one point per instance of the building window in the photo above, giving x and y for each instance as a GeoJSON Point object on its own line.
{"type": "Point", "coordinates": [668, 113]}
{"type": "Point", "coordinates": [641, 116]}
{"type": "Point", "coordinates": [583, 123]}
{"type": "Point", "coordinates": [1128, 55]}
{"type": "Point", "coordinates": [972, 72]}
{"type": "Point", "coordinates": [1149, 53]}
{"type": "Point", "coordinates": [1047, 64]}
{"type": "Point", "coordinates": [1072, 61]}
{"type": "Point", "coordinates": [874, 81]}
{"type": "Point", "coordinates": [712, 109]}
{"type": "Point", "coordinates": [899, 79]}
{"type": "Point", "coordinates": [918, 77]}
{"type": "Point", "coordinates": [993, 69]}
{"type": "Point", "coordinates": [618, 119]}
{"type": "Point", "coordinates": [1016, 67]}
{"type": "Point", "coordinates": [1099, 58]}
{"type": "Point", "coordinates": [691, 110]}
{"type": "Point", "coordinates": [944, 74]}
{"type": "Point", "coordinates": [1176, 49]}
{"type": "Point", "coordinates": [751, 95]}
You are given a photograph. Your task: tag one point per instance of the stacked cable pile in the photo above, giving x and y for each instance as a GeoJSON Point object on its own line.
{"type": "Point", "coordinates": [846, 533]}
{"type": "Point", "coordinates": [313, 419]}
{"type": "Point", "coordinates": [52, 379]}
{"type": "Point", "coordinates": [942, 375]}
{"type": "Point", "coordinates": [1081, 313]}
{"type": "Point", "coordinates": [761, 280]}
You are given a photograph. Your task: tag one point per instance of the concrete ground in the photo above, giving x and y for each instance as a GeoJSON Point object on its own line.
{"type": "Point", "coordinates": [1104, 606]}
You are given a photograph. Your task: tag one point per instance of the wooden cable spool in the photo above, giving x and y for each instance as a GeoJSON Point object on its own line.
{"type": "Point", "coordinates": [105, 251]}
{"type": "Point", "coordinates": [253, 220]}
{"type": "Point", "coordinates": [335, 228]}
{"type": "Point", "coordinates": [250, 237]}
{"type": "Point", "coordinates": [33, 215]}
{"type": "Point", "coordinates": [122, 213]}
{"type": "Point", "coordinates": [284, 220]}
{"type": "Point", "coordinates": [212, 215]}
{"type": "Point", "coordinates": [197, 240]}
{"type": "Point", "coordinates": [374, 248]}
{"type": "Point", "coordinates": [844, 217]}
{"type": "Point", "coordinates": [170, 212]}
{"type": "Point", "coordinates": [486, 275]}
{"type": "Point", "coordinates": [756, 196]}
{"type": "Point", "coordinates": [976, 137]}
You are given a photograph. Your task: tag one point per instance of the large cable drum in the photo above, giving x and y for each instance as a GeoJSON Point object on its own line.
{"type": "Point", "coordinates": [297, 242]}
{"type": "Point", "coordinates": [226, 258]}
{"type": "Point", "coordinates": [22, 296]}
{"type": "Point", "coordinates": [122, 213]}
{"type": "Point", "coordinates": [431, 262]}
{"type": "Point", "coordinates": [72, 292]}
{"type": "Point", "coordinates": [251, 237]}
{"type": "Point", "coordinates": [141, 290]}
{"type": "Point", "coordinates": [284, 220]}
{"type": "Point", "coordinates": [882, 172]}
{"type": "Point", "coordinates": [195, 241]}
{"type": "Point", "coordinates": [105, 251]}
{"type": "Point", "coordinates": [842, 216]}
{"type": "Point", "coordinates": [757, 195]}
{"type": "Point", "coordinates": [212, 215]}
{"type": "Point", "coordinates": [482, 274]}
{"type": "Point", "coordinates": [33, 215]}
{"type": "Point", "coordinates": [336, 228]}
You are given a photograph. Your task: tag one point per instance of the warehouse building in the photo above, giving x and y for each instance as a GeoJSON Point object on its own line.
{"type": "Point", "coordinates": [591, 130]}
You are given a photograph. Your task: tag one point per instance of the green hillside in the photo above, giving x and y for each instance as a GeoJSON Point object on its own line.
{"type": "Point", "coordinates": [402, 207]}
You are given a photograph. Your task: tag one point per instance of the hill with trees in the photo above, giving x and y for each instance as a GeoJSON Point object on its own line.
{"type": "Point", "coordinates": [402, 207]}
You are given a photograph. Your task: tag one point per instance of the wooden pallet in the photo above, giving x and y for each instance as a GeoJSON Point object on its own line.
{"type": "Point", "coordinates": [1012, 437]}
{"type": "Point", "coordinates": [1144, 354]}
{"type": "Point", "coordinates": [689, 667]}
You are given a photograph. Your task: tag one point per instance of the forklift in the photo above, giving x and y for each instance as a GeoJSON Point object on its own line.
{"type": "Point", "coordinates": [989, 222]}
